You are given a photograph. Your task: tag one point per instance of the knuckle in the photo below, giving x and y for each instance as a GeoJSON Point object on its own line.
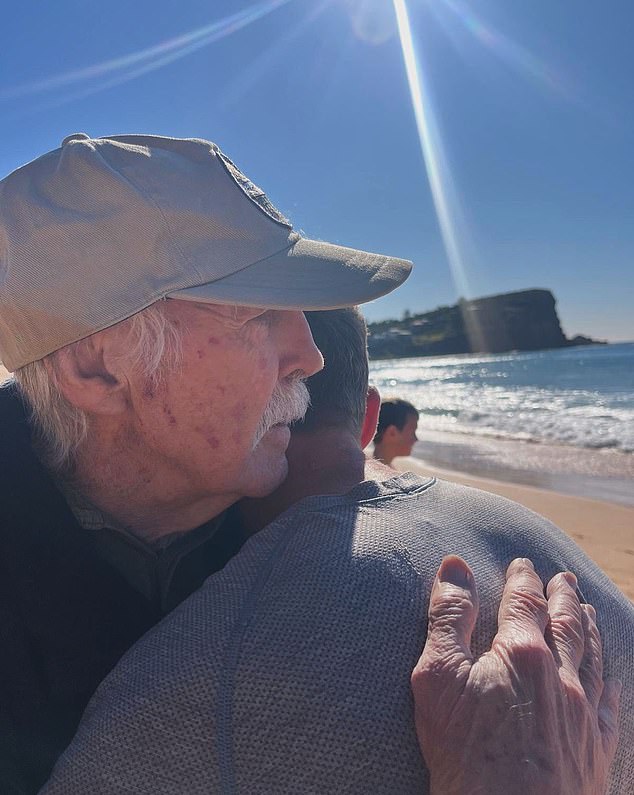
{"type": "Point", "coordinates": [430, 666]}
{"type": "Point", "coordinates": [434, 668]}
{"type": "Point", "coordinates": [591, 677]}
{"type": "Point", "coordinates": [567, 629]}
{"type": "Point", "coordinates": [532, 595]}
{"type": "Point", "coordinates": [575, 693]}
{"type": "Point", "coordinates": [421, 676]}
{"type": "Point", "coordinates": [565, 607]}
{"type": "Point", "coordinates": [592, 660]}
{"type": "Point", "coordinates": [530, 602]}
{"type": "Point", "coordinates": [529, 653]}
{"type": "Point", "coordinates": [447, 608]}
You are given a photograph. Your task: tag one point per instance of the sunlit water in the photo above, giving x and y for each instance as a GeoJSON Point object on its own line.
{"type": "Point", "coordinates": [583, 397]}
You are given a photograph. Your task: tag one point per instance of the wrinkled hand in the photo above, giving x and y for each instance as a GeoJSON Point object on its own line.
{"type": "Point", "coordinates": [533, 714]}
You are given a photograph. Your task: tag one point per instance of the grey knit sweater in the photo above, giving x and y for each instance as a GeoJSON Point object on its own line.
{"type": "Point", "coordinates": [288, 671]}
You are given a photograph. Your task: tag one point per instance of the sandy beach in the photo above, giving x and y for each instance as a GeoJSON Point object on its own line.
{"type": "Point", "coordinates": [604, 530]}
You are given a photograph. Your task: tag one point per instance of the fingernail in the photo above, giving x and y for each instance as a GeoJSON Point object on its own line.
{"type": "Point", "coordinates": [570, 578]}
{"type": "Point", "coordinates": [454, 571]}
{"type": "Point", "coordinates": [520, 563]}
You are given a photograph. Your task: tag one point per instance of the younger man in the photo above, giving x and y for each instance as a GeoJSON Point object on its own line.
{"type": "Point", "coordinates": [396, 431]}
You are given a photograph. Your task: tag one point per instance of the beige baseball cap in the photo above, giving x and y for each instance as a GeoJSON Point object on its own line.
{"type": "Point", "coordinates": [101, 228]}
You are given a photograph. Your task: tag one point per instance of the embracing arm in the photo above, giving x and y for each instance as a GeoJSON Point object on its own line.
{"type": "Point", "coordinates": [532, 715]}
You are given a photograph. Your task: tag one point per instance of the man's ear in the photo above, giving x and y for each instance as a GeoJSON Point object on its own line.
{"type": "Point", "coordinates": [391, 432]}
{"type": "Point", "coordinates": [371, 419]}
{"type": "Point", "coordinates": [89, 376]}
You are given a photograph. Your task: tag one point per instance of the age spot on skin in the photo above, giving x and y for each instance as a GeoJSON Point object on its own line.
{"type": "Point", "coordinates": [148, 392]}
{"type": "Point", "coordinates": [213, 442]}
{"type": "Point", "coordinates": [213, 340]}
{"type": "Point", "coordinates": [144, 475]}
{"type": "Point", "coordinates": [171, 419]}
{"type": "Point", "coordinates": [200, 354]}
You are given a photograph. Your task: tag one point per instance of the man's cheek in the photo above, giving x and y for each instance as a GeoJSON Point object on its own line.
{"type": "Point", "coordinates": [238, 413]}
{"type": "Point", "coordinates": [243, 417]}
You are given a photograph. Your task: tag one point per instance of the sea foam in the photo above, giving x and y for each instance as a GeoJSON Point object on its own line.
{"type": "Point", "coordinates": [582, 396]}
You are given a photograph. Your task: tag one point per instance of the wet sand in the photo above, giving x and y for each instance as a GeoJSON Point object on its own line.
{"type": "Point", "coordinates": [599, 474]}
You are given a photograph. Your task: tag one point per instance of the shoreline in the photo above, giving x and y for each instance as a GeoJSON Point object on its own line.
{"type": "Point", "coordinates": [606, 475]}
{"type": "Point", "coordinates": [603, 529]}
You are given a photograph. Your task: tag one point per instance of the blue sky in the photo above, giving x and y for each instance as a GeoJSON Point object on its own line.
{"type": "Point", "coordinates": [530, 107]}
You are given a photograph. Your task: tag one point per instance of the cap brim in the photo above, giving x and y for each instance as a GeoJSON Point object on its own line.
{"type": "Point", "coordinates": [307, 275]}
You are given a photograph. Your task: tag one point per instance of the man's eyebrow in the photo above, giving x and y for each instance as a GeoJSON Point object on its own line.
{"type": "Point", "coordinates": [233, 315]}
{"type": "Point", "coordinates": [231, 311]}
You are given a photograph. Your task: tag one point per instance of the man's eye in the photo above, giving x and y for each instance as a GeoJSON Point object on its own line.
{"type": "Point", "coordinates": [265, 317]}
{"type": "Point", "coordinates": [244, 314]}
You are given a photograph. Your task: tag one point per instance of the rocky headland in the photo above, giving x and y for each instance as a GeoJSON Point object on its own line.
{"type": "Point", "coordinates": [526, 320]}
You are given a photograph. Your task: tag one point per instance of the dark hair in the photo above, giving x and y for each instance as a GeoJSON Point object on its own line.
{"type": "Point", "coordinates": [338, 392]}
{"type": "Point", "coordinates": [394, 412]}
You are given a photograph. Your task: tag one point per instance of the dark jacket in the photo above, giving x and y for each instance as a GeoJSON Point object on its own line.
{"type": "Point", "coordinates": [66, 615]}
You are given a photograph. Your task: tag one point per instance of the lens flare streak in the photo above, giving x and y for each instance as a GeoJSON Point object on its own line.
{"type": "Point", "coordinates": [118, 70]}
{"type": "Point", "coordinates": [444, 196]}
{"type": "Point", "coordinates": [509, 52]}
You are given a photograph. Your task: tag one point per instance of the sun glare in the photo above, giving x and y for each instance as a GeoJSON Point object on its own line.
{"type": "Point", "coordinates": [513, 55]}
{"type": "Point", "coordinates": [444, 196]}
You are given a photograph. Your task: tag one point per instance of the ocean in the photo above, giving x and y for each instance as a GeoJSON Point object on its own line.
{"type": "Point", "coordinates": [583, 396]}
{"type": "Point", "coordinates": [558, 419]}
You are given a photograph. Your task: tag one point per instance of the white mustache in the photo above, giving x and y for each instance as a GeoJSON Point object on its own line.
{"type": "Point", "coordinates": [288, 403]}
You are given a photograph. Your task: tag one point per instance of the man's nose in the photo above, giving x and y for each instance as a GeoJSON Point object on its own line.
{"type": "Point", "coordinates": [299, 349]}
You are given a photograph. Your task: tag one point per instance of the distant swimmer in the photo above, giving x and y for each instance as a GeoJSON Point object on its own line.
{"type": "Point", "coordinates": [396, 431]}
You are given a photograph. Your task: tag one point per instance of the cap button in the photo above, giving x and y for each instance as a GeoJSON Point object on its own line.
{"type": "Point", "coordinates": [75, 137]}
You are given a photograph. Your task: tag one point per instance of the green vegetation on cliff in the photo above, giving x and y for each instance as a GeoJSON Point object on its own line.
{"type": "Point", "coordinates": [524, 321]}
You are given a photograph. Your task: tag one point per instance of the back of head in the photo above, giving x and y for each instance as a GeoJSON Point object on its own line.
{"type": "Point", "coordinates": [338, 392]}
{"type": "Point", "coordinates": [394, 412]}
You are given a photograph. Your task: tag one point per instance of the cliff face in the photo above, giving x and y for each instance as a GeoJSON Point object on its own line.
{"type": "Point", "coordinates": [525, 320]}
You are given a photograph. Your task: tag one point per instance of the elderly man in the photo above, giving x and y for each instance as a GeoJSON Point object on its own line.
{"type": "Point", "coordinates": [289, 670]}
{"type": "Point", "coordinates": [136, 421]}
